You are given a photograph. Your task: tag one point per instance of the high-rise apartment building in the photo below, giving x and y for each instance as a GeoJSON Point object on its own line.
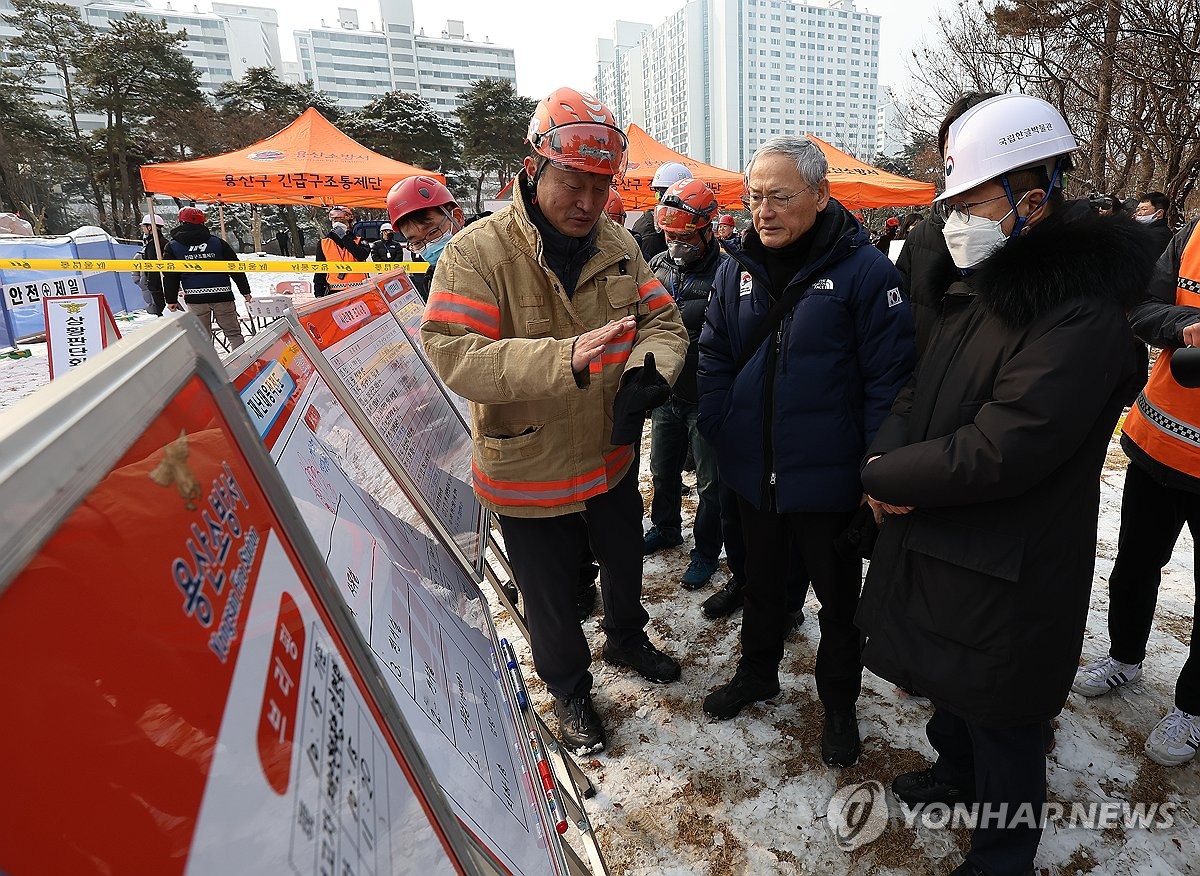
{"type": "Point", "coordinates": [356, 66]}
{"type": "Point", "coordinates": [619, 83]}
{"type": "Point", "coordinates": [221, 44]}
{"type": "Point", "coordinates": [720, 77]}
{"type": "Point", "coordinates": [889, 138]}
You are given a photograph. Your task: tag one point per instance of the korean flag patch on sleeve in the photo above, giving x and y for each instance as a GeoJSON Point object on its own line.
{"type": "Point", "coordinates": [747, 284]}
{"type": "Point", "coordinates": [893, 297]}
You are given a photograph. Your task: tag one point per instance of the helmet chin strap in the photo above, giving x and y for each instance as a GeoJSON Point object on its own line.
{"type": "Point", "coordinates": [1021, 221]}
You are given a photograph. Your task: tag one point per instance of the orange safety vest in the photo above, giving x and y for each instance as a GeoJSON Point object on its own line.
{"type": "Point", "coordinates": [334, 253]}
{"type": "Point", "coordinates": [1165, 420]}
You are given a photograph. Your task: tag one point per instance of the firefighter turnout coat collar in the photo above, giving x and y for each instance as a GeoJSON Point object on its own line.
{"type": "Point", "coordinates": [499, 330]}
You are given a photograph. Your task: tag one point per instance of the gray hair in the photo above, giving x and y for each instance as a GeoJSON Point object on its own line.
{"type": "Point", "coordinates": [810, 160]}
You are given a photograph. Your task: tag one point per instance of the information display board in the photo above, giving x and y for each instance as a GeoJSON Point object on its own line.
{"type": "Point", "coordinates": [423, 615]}
{"type": "Point", "coordinates": [402, 297]}
{"type": "Point", "coordinates": [185, 692]}
{"type": "Point", "coordinates": [372, 358]}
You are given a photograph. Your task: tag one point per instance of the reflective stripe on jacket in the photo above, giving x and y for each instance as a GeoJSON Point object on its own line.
{"type": "Point", "coordinates": [499, 329]}
{"type": "Point", "coordinates": [1164, 422]}
{"type": "Point", "coordinates": [332, 251]}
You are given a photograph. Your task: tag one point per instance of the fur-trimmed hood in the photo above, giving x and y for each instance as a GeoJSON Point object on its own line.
{"type": "Point", "coordinates": [1071, 254]}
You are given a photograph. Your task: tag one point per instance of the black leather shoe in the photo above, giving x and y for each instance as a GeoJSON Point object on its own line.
{"type": "Point", "coordinates": [726, 702]}
{"type": "Point", "coordinates": [840, 745]}
{"type": "Point", "coordinates": [922, 787]}
{"type": "Point", "coordinates": [725, 601]}
{"type": "Point", "coordinates": [579, 726]}
{"type": "Point", "coordinates": [644, 659]}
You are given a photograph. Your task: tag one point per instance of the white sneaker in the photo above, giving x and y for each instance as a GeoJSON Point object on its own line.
{"type": "Point", "coordinates": [1175, 739]}
{"type": "Point", "coordinates": [1105, 675]}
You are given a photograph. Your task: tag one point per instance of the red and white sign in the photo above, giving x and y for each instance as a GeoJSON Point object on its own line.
{"type": "Point", "coordinates": [180, 699]}
{"type": "Point", "coordinates": [77, 328]}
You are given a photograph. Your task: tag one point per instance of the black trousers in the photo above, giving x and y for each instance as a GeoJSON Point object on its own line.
{"type": "Point", "coordinates": [735, 551]}
{"type": "Point", "coordinates": [545, 554]}
{"type": "Point", "coordinates": [1005, 765]}
{"type": "Point", "coordinates": [1152, 516]}
{"type": "Point", "coordinates": [770, 538]}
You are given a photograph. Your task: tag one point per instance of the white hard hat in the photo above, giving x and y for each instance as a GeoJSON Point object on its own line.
{"type": "Point", "coordinates": [158, 220]}
{"type": "Point", "coordinates": [1004, 133]}
{"type": "Point", "coordinates": [669, 174]}
{"type": "Point", "coordinates": [386, 226]}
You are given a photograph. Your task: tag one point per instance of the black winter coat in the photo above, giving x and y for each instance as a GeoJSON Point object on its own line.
{"type": "Point", "coordinates": [978, 598]}
{"type": "Point", "coordinates": [691, 287]}
{"type": "Point", "coordinates": [928, 271]}
{"type": "Point", "coordinates": [650, 240]}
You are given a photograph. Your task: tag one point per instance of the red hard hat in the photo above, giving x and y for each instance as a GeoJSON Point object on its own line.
{"type": "Point", "coordinates": [191, 216]}
{"type": "Point", "coordinates": [727, 220]}
{"type": "Point", "coordinates": [576, 131]}
{"type": "Point", "coordinates": [687, 205]}
{"type": "Point", "coordinates": [893, 222]}
{"type": "Point", "coordinates": [416, 193]}
{"type": "Point", "coordinates": [615, 208]}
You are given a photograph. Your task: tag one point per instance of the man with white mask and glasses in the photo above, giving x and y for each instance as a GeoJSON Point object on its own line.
{"type": "Point", "coordinates": [986, 475]}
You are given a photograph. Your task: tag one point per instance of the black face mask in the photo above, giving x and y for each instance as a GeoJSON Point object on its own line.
{"type": "Point", "coordinates": [683, 254]}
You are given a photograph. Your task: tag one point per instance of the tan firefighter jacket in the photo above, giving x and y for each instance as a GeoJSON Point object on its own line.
{"type": "Point", "coordinates": [499, 330]}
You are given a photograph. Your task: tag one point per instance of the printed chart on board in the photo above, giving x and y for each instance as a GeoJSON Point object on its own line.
{"type": "Point", "coordinates": [390, 381]}
{"type": "Point", "coordinates": [426, 620]}
{"type": "Point", "coordinates": [407, 306]}
{"type": "Point", "coordinates": [190, 657]}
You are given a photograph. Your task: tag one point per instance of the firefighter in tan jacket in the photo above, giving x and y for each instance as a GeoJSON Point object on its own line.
{"type": "Point", "coordinates": [546, 317]}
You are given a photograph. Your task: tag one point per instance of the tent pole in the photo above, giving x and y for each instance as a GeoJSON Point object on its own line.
{"type": "Point", "coordinates": [154, 227]}
{"type": "Point", "coordinates": [221, 213]}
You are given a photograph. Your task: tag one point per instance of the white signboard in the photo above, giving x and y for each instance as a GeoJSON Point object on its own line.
{"type": "Point", "coordinates": [77, 328]}
{"type": "Point", "coordinates": [425, 619]}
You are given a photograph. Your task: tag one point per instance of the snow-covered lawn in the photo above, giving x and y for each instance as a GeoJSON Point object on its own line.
{"type": "Point", "coordinates": [679, 794]}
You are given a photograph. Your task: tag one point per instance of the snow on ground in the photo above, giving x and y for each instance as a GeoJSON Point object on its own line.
{"type": "Point", "coordinates": [679, 794]}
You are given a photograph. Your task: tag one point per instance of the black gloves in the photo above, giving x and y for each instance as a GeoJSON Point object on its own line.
{"type": "Point", "coordinates": [858, 539]}
{"type": "Point", "coordinates": [1185, 367]}
{"type": "Point", "coordinates": [642, 390]}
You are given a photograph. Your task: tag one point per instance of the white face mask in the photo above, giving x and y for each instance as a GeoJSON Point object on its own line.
{"type": "Point", "coordinates": [1146, 220]}
{"type": "Point", "coordinates": [970, 241]}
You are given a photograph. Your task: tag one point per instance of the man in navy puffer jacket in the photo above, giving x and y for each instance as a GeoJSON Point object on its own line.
{"type": "Point", "coordinates": [806, 343]}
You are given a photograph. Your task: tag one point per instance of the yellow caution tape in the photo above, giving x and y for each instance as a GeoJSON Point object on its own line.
{"type": "Point", "coordinates": [181, 267]}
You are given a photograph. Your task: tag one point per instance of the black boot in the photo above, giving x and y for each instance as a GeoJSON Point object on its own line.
{"type": "Point", "coordinates": [727, 701]}
{"type": "Point", "coordinates": [840, 745]}
{"type": "Point", "coordinates": [579, 726]}
{"type": "Point", "coordinates": [725, 601]}
{"type": "Point", "coordinates": [644, 659]}
{"type": "Point", "coordinates": [922, 788]}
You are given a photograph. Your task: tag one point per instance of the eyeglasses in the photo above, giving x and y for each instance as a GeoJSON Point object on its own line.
{"type": "Point", "coordinates": [429, 234]}
{"type": "Point", "coordinates": [945, 208]}
{"type": "Point", "coordinates": [753, 200]}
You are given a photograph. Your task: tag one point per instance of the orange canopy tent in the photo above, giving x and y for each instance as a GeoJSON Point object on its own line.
{"type": "Point", "coordinates": [647, 155]}
{"type": "Point", "coordinates": [854, 183]}
{"type": "Point", "coordinates": [308, 162]}
{"type": "Point", "coordinates": [857, 184]}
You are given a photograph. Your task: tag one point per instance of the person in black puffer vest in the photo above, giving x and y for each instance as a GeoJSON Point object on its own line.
{"type": "Point", "coordinates": [686, 270]}
{"type": "Point", "coordinates": [208, 294]}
